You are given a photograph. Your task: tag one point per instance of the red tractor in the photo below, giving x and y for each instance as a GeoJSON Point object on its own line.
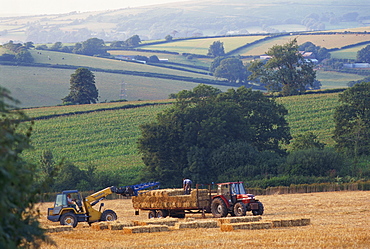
{"type": "Point", "coordinates": [232, 198]}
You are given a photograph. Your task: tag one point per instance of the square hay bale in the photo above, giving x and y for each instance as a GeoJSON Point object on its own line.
{"type": "Point", "coordinates": [183, 225]}
{"type": "Point", "coordinates": [227, 227]}
{"type": "Point", "coordinates": [99, 225]}
{"type": "Point", "coordinates": [286, 223]}
{"type": "Point", "coordinates": [56, 229]}
{"type": "Point", "coordinates": [238, 219]}
{"type": "Point", "coordinates": [305, 222]}
{"type": "Point", "coordinates": [276, 223]}
{"type": "Point", "coordinates": [162, 221]}
{"type": "Point", "coordinates": [145, 229]}
{"type": "Point", "coordinates": [116, 225]}
{"type": "Point", "coordinates": [297, 222]}
{"type": "Point", "coordinates": [158, 228]}
{"type": "Point", "coordinates": [207, 224]}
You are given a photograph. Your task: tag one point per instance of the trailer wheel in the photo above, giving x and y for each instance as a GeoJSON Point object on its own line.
{"type": "Point", "coordinates": [162, 213]}
{"type": "Point", "coordinates": [260, 209]}
{"type": "Point", "coordinates": [240, 209]}
{"type": "Point", "coordinates": [152, 214]}
{"type": "Point", "coordinates": [108, 215]}
{"type": "Point", "coordinates": [218, 208]}
{"type": "Point", "coordinates": [68, 219]}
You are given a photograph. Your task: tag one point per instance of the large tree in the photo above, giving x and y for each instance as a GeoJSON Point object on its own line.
{"type": "Point", "coordinates": [185, 140]}
{"type": "Point", "coordinates": [352, 120]}
{"type": "Point", "coordinates": [19, 225]}
{"type": "Point", "coordinates": [83, 89]}
{"type": "Point", "coordinates": [363, 55]}
{"type": "Point", "coordinates": [216, 49]}
{"type": "Point", "coordinates": [287, 71]}
{"type": "Point", "coordinates": [231, 69]}
{"type": "Point", "coordinates": [92, 46]}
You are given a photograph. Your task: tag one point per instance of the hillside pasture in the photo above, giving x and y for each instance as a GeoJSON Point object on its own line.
{"type": "Point", "coordinates": [347, 53]}
{"type": "Point", "coordinates": [40, 86]}
{"type": "Point", "coordinates": [201, 46]}
{"type": "Point", "coordinates": [334, 223]}
{"type": "Point", "coordinates": [326, 40]}
{"type": "Point", "coordinates": [332, 80]}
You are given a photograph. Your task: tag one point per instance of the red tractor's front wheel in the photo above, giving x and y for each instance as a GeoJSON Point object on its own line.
{"type": "Point", "coordinates": [260, 209]}
{"type": "Point", "coordinates": [218, 208]}
{"type": "Point", "coordinates": [240, 209]}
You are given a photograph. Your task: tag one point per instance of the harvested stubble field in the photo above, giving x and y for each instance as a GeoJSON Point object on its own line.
{"type": "Point", "coordinates": [338, 220]}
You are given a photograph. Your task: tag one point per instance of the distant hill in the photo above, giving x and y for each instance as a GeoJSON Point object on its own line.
{"type": "Point", "coordinates": [189, 19]}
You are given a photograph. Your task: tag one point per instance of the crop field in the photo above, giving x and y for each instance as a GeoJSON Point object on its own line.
{"type": "Point", "coordinates": [200, 46]}
{"type": "Point", "coordinates": [95, 62]}
{"type": "Point", "coordinates": [108, 138]}
{"type": "Point", "coordinates": [312, 113]}
{"type": "Point", "coordinates": [327, 41]}
{"type": "Point", "coordinates": [335, 222]}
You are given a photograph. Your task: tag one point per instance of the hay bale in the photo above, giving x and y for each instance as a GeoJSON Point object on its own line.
{"type": "Point", "coordinates": [305, 222]}
{"type": "Point", "coordinates": [227, 227]}
{"type": "Point", "coordinates": [99, 225]}
{"type": "Point", "coordinates": [276, 223]}
{"type": "Point", "coordinates": [286, 223]}
{"type": "Point", "coordinates": [183, 225]}
{"type": "Point", "coordinates": [207, 224]}
{"type": "Point", "coordinates": [116, 225]}
{"type": "Point", "coordinates": [238, 219]}
{"type": "Point", "coordinates": [161, 221]}
{"type": "Point", "coordinates": [56, 229]}
{"type": "Point", "coordinates": [145, 229]}
{"type": "Point", "coordinates": [297, 222]}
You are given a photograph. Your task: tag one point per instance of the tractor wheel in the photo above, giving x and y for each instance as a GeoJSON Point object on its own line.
{"type": "Point", "coordinates": [260, 209]}
{"type": "Point", "coordinates": [108, 215]}
{"type": "Point", "coordinates": [152, 214]}
{"type": "Point", "coordinates": [162, 213]}
{"type": "Point", "coordinates": [218, 208]}
{"type": "Point", "coordinates": [68, 219]}
{"type": "Point", "coordinates": [240, 209]}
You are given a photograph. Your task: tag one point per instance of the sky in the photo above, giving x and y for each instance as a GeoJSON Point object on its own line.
{"type": "Point", "coordinates": [37, 7]}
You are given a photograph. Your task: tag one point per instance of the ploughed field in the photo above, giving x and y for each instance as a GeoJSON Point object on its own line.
{"type": "Point", "coordinates": [337, 220]}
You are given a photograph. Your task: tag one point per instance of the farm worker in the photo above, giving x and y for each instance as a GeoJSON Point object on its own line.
{"type": "Point", "coordinates": [70, 201]}
{"type": "Point", "coordinates": [187, 186]}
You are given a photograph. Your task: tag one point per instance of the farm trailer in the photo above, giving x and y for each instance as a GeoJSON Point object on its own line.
{"type": "Point", "coordinates": [230, 198]}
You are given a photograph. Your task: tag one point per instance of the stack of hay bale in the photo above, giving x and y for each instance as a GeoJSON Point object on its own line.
{"type": "Point", "coordinates": [171, 199]}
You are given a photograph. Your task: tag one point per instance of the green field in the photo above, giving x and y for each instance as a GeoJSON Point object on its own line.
{"type": "Point", "coordinates": [108, 138]}
{"type": "Point", "coordinates": [37, 86]}
{"type": "Point", "coordinates": [200, 46]}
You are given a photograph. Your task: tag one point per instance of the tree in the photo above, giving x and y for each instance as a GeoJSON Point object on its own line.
{"type": "Point", "coordinates": [19, 225]}
{"type": "Point", "coordinates": [231, 69]}
{"type": "Point", "coordinates": [352, 120]}
{"type": "Point", "coordinates": [83, 89]}
{"type": "Point", "coordinates": [133, 41]}
{"type": "Point", "coordinates": [363, 55]}
{"type": "Point", "coordinates": [183, 140]}
{"type": "Point", "coordinates": [168, 38]}
{"type": "Point", "coordinates": [92, 46]}
{"type": "Point", "coordinates": [286, 71]}
{"type": "Point", "coordinates": [216, 49]}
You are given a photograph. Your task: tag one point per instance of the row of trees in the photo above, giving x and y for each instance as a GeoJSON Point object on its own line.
{"type": "Point", "coordinates": [212, 136]}
{"type": "Point", "coordinates": [19, 53]}
{"type": "Point", "coordinates": [287, 71]}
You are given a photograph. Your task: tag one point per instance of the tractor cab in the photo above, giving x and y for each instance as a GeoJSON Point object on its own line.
{"type": "Point", "coordinates": [61, 204]}
{"type": "Point", "coordinates": [233, 191]}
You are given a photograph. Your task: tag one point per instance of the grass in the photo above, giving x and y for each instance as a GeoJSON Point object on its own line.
{"type": "Point", "coordinates": [201, 46]}
{"type": "Point", "coordinates": [327, 41]}
{"type": "Point", "coordinates": [330, 80]}
{"type": "Point", "coordinates": [333, 225]}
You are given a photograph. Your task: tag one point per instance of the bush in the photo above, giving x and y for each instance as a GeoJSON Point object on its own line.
{"type": "Point", "coordinates": [313, 162]}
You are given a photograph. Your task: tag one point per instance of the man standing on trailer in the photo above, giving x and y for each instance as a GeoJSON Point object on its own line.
{"type": "Point", "coordinates": [186, 184]}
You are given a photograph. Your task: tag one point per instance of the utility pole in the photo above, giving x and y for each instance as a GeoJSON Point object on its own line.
{"type": "Point", "coordinates": [123, 93]}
